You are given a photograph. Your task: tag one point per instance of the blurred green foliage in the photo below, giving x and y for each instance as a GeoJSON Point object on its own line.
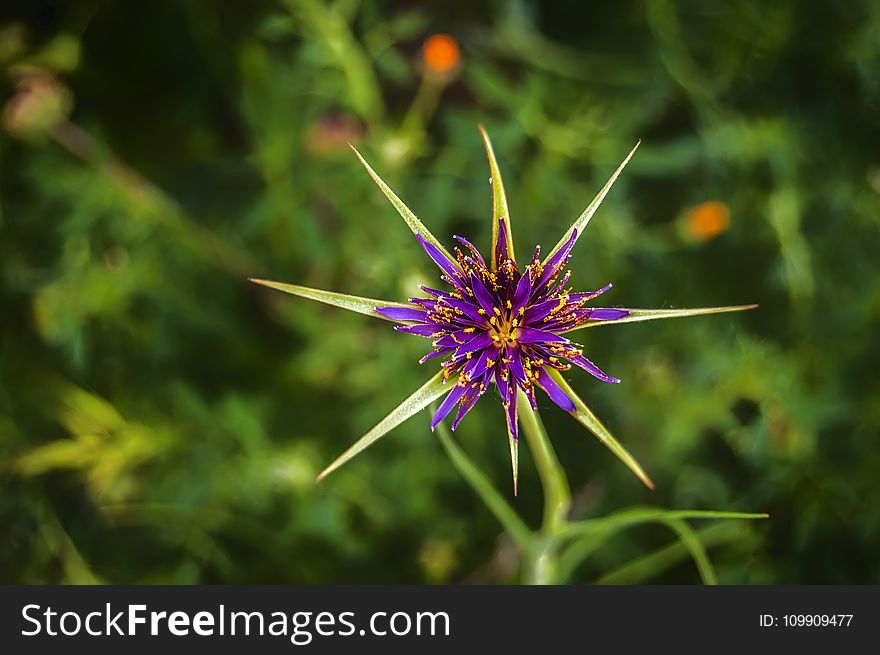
{"type": "Point", "coordinates": [161, 420]}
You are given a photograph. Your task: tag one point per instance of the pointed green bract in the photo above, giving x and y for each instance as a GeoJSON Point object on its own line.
{"type": "Point", "coordinates": [405, 212]}
{"type": "Point", "coordinates": [499, 200]}
{"type": "Point", "coordinates": [636, 315]}
{"type": "Point", "coordinates": [584, 416]}
{"type": "Point", "coordinates": [424, 396]}
{"type": "Point", "coordinates": [351, 303]}
{"type": "Point", "coordinates": [514, 458]}
{"type": "Point", "coordinates": [587, 214]}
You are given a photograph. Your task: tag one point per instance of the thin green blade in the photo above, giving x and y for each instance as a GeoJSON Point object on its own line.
{"type": "Point", "coordinates": [514, 458]}
{"type": "Point", "coordinates": [648, 566]}
{"type": "Point", "coordinates": [584, 416]}
{"type": "Point", "coordinates": [695, 547]}
{"type": "Point", "coordinates": [590, 534]}
{"type": "Point", "coordinates": [411, 219]}
{"type": "Point", "coordinates": [351, 303]}
{"type": "Point", "coordinates": [424, 396]}
{"type": "Point", "coordinates": [499, 199]}
{"type": "Point", "coordinates": [637, 515]}
{"type": "Point", "coordinates": [636, 315]}
{"type": "Point", "coordinates": [587, 214]}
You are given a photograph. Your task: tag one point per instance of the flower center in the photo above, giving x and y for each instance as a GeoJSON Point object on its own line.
{"type": "Point", "coordinates": [504, 327]}
{"type": "Point", "coordinates": [503, 333]}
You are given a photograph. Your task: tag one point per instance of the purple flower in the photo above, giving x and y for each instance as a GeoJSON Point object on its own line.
{"type": "Point", "coordinates": [501, 326]}
{"type": "Point", "coordinates": [497, 325]}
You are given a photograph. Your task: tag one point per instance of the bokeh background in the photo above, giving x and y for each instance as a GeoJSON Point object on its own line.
{"type": "Point", "coordinates": [161, 419]}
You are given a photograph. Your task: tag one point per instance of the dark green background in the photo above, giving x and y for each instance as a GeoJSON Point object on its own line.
{"type": "Point", "coordinates": [161, 420]}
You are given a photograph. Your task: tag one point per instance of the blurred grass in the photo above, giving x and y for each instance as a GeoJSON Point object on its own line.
{"type": "Point", "coordinates": [161, 420]}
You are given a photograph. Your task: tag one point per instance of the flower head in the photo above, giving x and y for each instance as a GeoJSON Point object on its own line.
{"type": "Point", "coordinates": [497, 324]}
{"type": "Point", "coordinates": [708, 220]}
{"type": "Point", "coordinates": [440, 54]}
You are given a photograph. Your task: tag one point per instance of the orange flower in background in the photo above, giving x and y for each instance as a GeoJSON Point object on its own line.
{"type": "Point", "coordinates": [708, 219]}
{"type": "Point", "coordinates": [441, 54]}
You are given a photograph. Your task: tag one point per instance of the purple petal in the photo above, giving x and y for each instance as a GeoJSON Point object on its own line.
{"type": "Point", "coordinates": [433, 354]}
{"type": "Point", "coordinates": [467, 244]}
{"type": "Point", "coordinates": [607, 314]}
{"type": "Point", "coordinates": [472, 395]}
{"type": "Point", "coordinates": [403, 313]}
{"type": "Point", "coordinates": [540, 310]}
{"type": "Point", "coordinates": [501, 251]}
{"type": "Point", "coordinates": [522, 293]}
{"type": "Point", "coordinates": [593, 370]}
{"type": "Point", "coordinates": [531, 335]}
{"type": "Point", "coordinates": [455, 281]}
{"type": "Point", "coordinates": [421, 329]}
{"type": "Point", "coordinates": [424, 303]}
{"type": "Point", "coordinates": [482, 340]}
{"type": "Point", "coordinates": [455, 339]}
{"type": "Point", "coordinates": [476, 367]}
{"type": "Point", "coordinates": [560, 284]}
{"type": "Point", "coordinates": [503, 385]}
{"type": "Point", "coordinates": [515, 364]}
{"type": "Point", "coordinates": [433, 292]}
{"type": "Point", "coordinates": [445, 264]}
{"type": "Point", "coordinates": [468, 309]}
{"type": "Point", "coordinates": [568, 319]}
{"type": "Point", "coordinates": [510, 413]}
{"type": "Point", "coordinates": [557, 395]}
{"type": "Point", "coordinates": [584, 296]}
{"type": "Point", "coordinates": [562, 253]}
{"type": "Point", "coordinates": [557, 261]}
{"type": "Point", "coordinates": [529, 391]}
{"type": "Point", "coordinates": [447, 405]}
{"type": "Point", "coordinates": [484, 297]}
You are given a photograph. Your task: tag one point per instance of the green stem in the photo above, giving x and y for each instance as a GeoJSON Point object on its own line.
{"type": "Point", "coordinates": [543, 565]}
{"type": "Point", "coordinates": [557, 496]}
{"type": "Point", "coordinates": [422, 108]}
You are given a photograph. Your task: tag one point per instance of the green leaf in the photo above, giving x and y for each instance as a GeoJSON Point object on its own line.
{"type": "Point", "coordinates": [635, 515]}
{"type": "Point", "coordinates": [485, 490]}
{"type": "Point", "coordinates": [636, 315]}
{"type": "Point", "coordinates": [583, 414]}
{"type": "Point", "coordinates": [591, 534]}
{"type": "Point", "coordinates": [351, 303]}
{"type": "Point", "coordinates": [411, 219]}
{"type": "Point", "coordinates": [695, 547]}
{"type": "Point", "coordinates": [424, 396]}
{"type": "Point", "coordinates": [499, 199]}
{"type": "Point", "coordinates": [587, 214]}
{"type": "Point", "coordinates": [648, 566]}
